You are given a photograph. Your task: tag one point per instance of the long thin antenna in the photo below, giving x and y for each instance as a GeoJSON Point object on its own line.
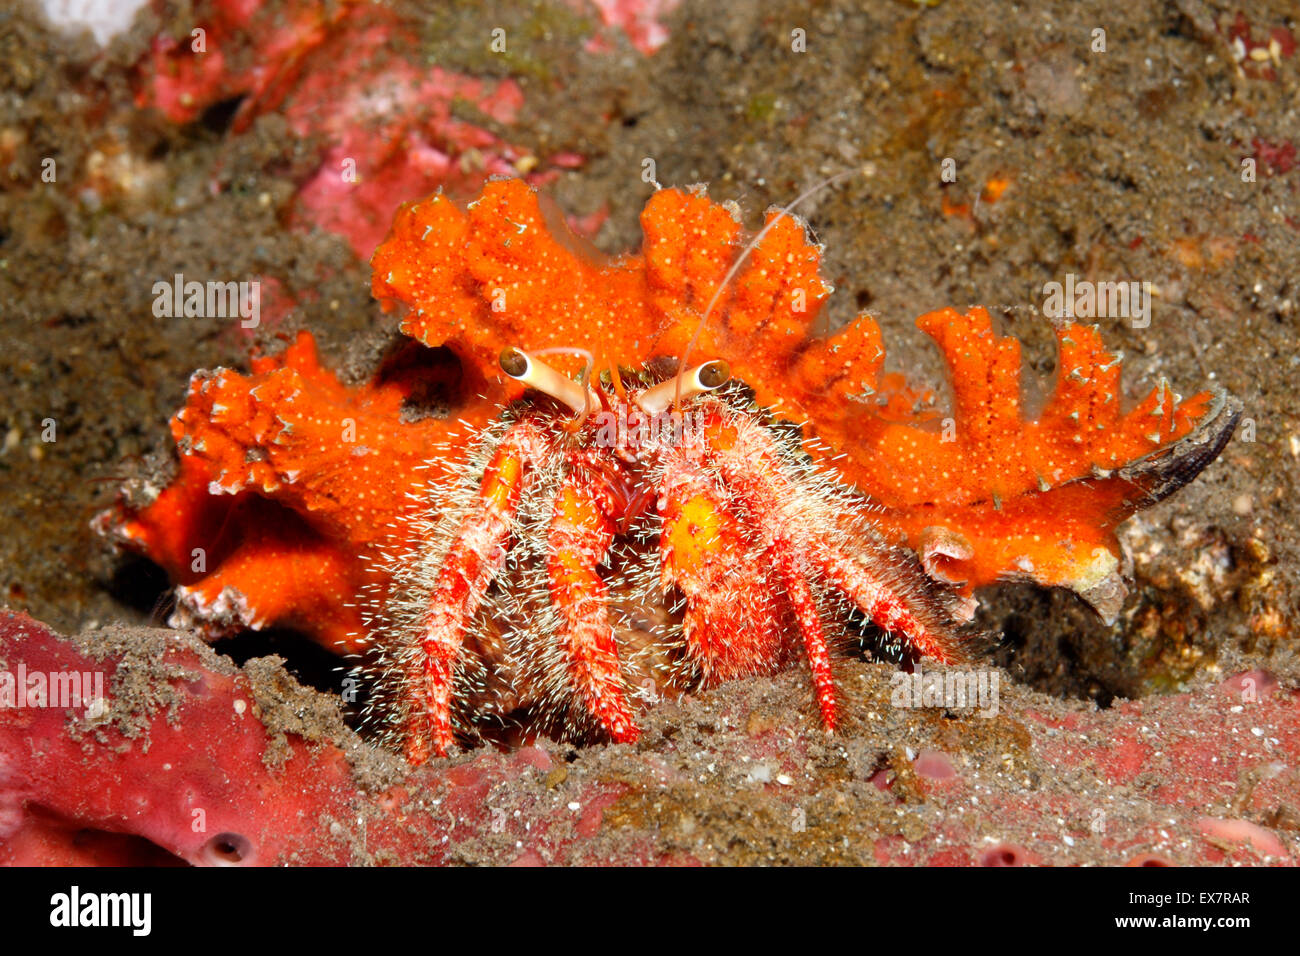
{"type": "Point", "coordinates": [735, 267]}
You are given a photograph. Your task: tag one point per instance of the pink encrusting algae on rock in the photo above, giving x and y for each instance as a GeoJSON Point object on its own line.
{"type": "Point", "coordinates": [193, 760]}
{"type": "Point", "coordinates": [391, 124]}
{"type": "Point", "coordinates": [385, 121]}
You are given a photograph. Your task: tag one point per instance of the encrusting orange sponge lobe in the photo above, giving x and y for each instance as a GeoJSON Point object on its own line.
{"type": "Point", "coordinates": [590, 526]}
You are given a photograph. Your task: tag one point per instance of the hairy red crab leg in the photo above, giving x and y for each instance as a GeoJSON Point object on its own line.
{"type": "Point", "coordinates": [476, 556]}
{"type": "Point", "coordinates": [580, 535]}
{"type": "Point", "coordinates": [692, 505]}
{"type": "Point", "coordinates": [884, 607]}
{"type": "Point", "coordinates": [749, 462]}
{"type": "Point", "coordinates": [810, 627]}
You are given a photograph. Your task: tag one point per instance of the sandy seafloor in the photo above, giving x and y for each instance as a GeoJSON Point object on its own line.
{"type": "Point", "coordinates": [1125, 163]}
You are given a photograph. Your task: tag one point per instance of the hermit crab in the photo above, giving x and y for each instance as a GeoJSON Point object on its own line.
{"type": "Point", "coordinates": [765, 549]}
{"type": "Point", "coordinates": [587, 518]}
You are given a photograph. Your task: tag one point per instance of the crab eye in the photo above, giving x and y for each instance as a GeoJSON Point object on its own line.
{"type": "Point", "coordinates": [702, 378]}
{"type": "Point", "coordinates": [712, 374]}
{"type": "Point", "coordinates": [536, 374]}
{"type": "Point", "coordinates": [515, 363]}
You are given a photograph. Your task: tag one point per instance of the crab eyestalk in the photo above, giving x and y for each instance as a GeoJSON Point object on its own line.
{"type": "Point", "coordinates": [536, 374]}
{"type": "Point", "coordinates": [702, 378]}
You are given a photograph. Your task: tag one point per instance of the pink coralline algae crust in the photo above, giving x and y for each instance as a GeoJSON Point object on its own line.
{"type": "Point", "coordinates": [75, 790]}
{"type": "Point", "coordinates": [934, 765]}
{"type": "Point", "coordinates": [1202, 778]}
{"type": "Point", "coordinates": [201, 754]}
{"type": "Point", "coordinates": [400, 157]}
{"type": "Point", "coordinates": [385, 122]}
{"type": "Point", "coordinates": [641, 20]}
